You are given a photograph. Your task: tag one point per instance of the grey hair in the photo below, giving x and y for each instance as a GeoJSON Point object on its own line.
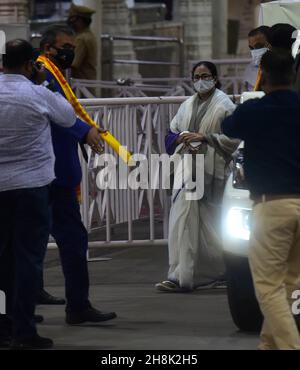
{"type": "Point", "coordinates": [50, 35]}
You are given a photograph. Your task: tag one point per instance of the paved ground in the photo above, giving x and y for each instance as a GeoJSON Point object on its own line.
{"type": "Point", "coordinates": [147, 319]}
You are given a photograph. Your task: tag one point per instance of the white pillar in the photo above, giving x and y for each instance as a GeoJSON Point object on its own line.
{"type": "Point", "coordinates": [196, 16]}
{"type": "Point", "coordinates": [116, 22]}
{"type": "Point", "coordinates": [220, 29]}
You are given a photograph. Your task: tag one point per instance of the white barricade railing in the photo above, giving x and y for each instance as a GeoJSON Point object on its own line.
{"type": "Point", "coordinates": [141, 125]}
{"type": "Point", "coordinates": [231, 78]}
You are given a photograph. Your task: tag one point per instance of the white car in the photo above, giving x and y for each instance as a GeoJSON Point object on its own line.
{"type": "Point", "coordinates": [236, 214]}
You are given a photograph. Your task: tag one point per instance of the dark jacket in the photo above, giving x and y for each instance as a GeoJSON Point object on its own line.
{"type": "Point", "coordinates": [65, 143]}
{"type": "Point", "coordinates": [270, 128]}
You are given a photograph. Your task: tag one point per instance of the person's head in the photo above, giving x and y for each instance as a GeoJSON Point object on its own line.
{"type": "Point", "coordinates": [58, 44]}
{"type": "Point", "coordinates": [19, 58]}
{"type": "Point", "coordinates": [281, 36]}
{"type": "Point", "coordinates": [80, 17]}
{"type": "Point", "coordinates": [259, 38]}
{"type": "Point", "coordinates": [258, 43]}
{"type": "Point", "coordinates": [277, 70]}
{"type": "Point", "coordinates": [205, 77]}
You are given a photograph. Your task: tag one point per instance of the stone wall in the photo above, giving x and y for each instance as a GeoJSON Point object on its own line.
{"type": "Point", "coordinates": [115, 21]}
{"type": "Point", "coordinates": [14, 11]}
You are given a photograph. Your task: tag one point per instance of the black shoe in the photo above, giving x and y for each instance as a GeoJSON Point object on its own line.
{"type": "Point", "coordinates": [38, 319]}
{"type": "Point", "coordinates": [89, 315]}
{"type": "Point", "coordinates": [6, 331]}
{"type": "Point", "coordinates": [44, 298]}
{"type": "Point", "coordinates": [35, 342]}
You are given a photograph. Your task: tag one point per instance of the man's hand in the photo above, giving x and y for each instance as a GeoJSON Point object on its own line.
{"type": "Point", "coordinates": [39, 73]}
{"type": "Point", "coordinates": [93, 139]}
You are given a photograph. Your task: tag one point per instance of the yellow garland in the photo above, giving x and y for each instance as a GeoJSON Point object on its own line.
{"type": "Point", "coordinates": [80, 111]}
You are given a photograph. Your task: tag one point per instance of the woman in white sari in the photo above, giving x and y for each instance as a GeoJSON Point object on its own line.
{"type": "Point", "coordinates": [195, 253]}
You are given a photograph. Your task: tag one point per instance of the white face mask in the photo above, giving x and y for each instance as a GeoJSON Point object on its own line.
{"type": "Point", "coordinates": [257, 55]}
{"type": "Point", "coordinates": [203, 87]}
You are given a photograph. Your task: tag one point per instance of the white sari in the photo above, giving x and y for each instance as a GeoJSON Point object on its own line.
{"type": "Point", "coordinates": [195, 252]}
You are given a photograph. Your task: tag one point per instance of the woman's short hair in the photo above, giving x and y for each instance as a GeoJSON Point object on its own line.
{"type": "Point", "coordinates": [212, 68]}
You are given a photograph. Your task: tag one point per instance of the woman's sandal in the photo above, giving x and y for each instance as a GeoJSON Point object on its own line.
{"type": "Point", "coordinates": [169, 287]}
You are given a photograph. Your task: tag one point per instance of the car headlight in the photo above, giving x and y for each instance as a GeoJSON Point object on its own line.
{"type": "Point", "coordinates": [237, 223]}
{"type": "Point", "coordinates": [238, 178]}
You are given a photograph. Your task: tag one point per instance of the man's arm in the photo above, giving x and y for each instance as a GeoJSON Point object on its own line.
{"type": "Point", "coordinates": [80, 130]}
{"type": "Point", "coordinates": [236, 125]}
{"type": "Point", "coordinates": [86, 134]}
{"type": "Point", "coordinates": [59, 110]}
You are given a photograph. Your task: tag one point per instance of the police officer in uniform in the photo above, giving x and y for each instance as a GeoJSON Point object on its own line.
{"type": "Point", "coordinates": [85, 63]}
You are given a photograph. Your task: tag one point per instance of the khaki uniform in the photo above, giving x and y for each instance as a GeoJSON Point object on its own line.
{"type": "Point", "coordinates": [85, 63]}
{"type": "Point", "coordinates": [275, 264]}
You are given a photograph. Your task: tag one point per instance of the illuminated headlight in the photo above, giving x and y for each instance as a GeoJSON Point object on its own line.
{"type": "Point", "coordinates": [238, 177]}
{"type": "Point", "coordinates": [238, 223]}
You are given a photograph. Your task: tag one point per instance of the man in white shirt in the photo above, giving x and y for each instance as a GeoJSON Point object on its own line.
{"type": "Point", "coordinates": [26, 171]}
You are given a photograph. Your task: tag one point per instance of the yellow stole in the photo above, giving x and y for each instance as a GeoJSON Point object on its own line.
{"type": "Point", "coordinates": [258, 80]}
{"type": "Point", "coordinates": [80, 111]}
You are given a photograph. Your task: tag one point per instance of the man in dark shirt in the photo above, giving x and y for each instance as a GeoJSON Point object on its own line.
{"type": "Point", "coordinates": [270, 128]}
{"type": "Point", "coordinates": [67, 228]}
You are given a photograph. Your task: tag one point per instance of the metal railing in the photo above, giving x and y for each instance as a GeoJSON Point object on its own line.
{"type": "Point", "coordinates": [128, 217]}
{"type": "Point", "coordinates": [137, 87]}
{"type": "Point", "coordinates": [143, 87]}
{"type": "Point", "coordinates": [111, 61]}
{"type": "Point", "coordinates": [236, 62]}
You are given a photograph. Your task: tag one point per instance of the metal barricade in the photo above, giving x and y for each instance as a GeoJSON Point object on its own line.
{"type": "Point", "coordinates": [111, 61]}
{"type": "Point", "coordinates": [139, 216]}
{"type": "Point", "coordinates": [143, 87]}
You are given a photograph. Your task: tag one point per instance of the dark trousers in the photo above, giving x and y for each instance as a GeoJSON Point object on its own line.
{"type": "Point", "coordinates": [7, 286]}
{"type": "Point", "coordinates": [72, 240]}
{"type": "Point", "coordinates": [24, 231]}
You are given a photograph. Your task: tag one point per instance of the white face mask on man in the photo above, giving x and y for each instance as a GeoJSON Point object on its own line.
{"type": "Point", "coordinates": [202, 86]}
{"type": "Point", "coordinates": [257, 55]}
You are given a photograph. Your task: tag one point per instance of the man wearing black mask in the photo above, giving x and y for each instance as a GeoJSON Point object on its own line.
{"type": "Point", "coordinates": [57, 46]}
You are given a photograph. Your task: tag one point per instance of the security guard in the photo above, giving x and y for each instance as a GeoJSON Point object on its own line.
{"type": "Point", "coordinates": [85, 62]}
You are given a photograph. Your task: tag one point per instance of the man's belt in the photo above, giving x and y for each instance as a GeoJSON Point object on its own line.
{"type": "Point", "coordinates": [270, 197]}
